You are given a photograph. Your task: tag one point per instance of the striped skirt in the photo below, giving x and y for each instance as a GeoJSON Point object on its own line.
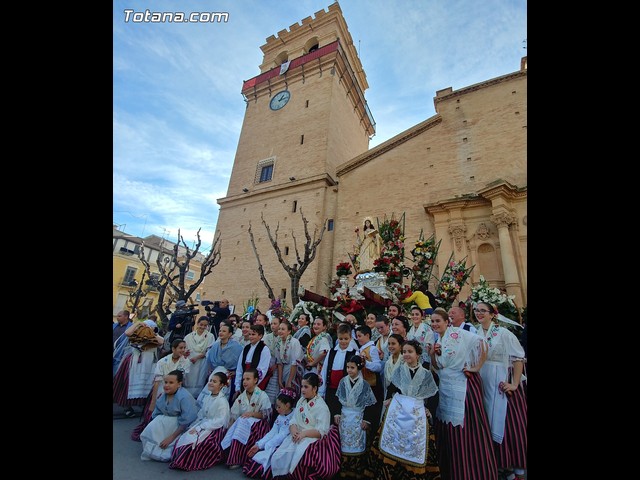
{"type": "Point", "coordinates": [321, 460]}
{"type": "Point", "coordinates": [467, 453]}
{"type": "Point", "coordinates": [253, 469]}
{"type": "Point", "coordinates": [121, 385]}
{"type": "Point", "coordinates": [146, 418]}
{"type": "Point", "coordinates": [204, 455]}
{"type": "Point", "coordinates": [512, 453]}
{"type": "Point", "coordinates": [238, 452]}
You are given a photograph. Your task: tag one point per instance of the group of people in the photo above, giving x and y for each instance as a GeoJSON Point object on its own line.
{"type": "Point", "coordinates": [434, 397]}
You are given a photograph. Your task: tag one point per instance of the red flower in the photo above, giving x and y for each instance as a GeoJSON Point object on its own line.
{"type": "Point", "coordinates": [302, 409]}
{"type": "Point", "coordinates": [311, 404]}
{"type": "Point", "coordinates": [306, 420]}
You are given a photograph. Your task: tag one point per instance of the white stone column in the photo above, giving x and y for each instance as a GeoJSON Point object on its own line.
{"type": "Point", "coordinates": [512, 282]}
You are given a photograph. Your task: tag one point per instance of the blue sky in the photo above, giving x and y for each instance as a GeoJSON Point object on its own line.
{"type": "Point", "coordinates": [178, 111]}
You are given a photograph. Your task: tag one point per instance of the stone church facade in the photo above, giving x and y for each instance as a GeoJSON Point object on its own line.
{"type": "Point", "coordinates": [303, 147]}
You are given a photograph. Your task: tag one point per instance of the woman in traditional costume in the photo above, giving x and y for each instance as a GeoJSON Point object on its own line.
{"type": "Point", "coordinates": [318, 346]}
{"type": "Point", "coordinates": [198, 342]}
{"type": "Point", "coordinates": [465, 449]}
{"type": "Point", "coordinates": [134, 378]}
{"type": "Point", "coordinates": [503, 388]}
{"type": "Point", "coordinates": [289, 357]}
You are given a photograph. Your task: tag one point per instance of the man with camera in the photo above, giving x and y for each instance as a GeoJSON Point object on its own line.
{"type": "Point", "coordinates": [217, 312]}
{"type": "Point", "coordinates": [182, 320]}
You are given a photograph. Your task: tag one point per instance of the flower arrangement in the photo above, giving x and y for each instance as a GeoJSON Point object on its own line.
{"type": "Point", "coordinates": [424, 256]}
{"type": "Point", "coordinates": [400, 291]}
{"type": "Point", "coordinates": [391, 258]}
{"type": "Point", "coordinates": [347, 304]}
{"type": "Point", "coordinates": [453, 279]}
{"type": "Point", "coordinates": [343, 268]}
{"type": "Point", "coordinates": [250, 307]}
{"type": "Point", "coordinates": [279, 308]}
{"type": "Point", "coordinates": [483, 292]}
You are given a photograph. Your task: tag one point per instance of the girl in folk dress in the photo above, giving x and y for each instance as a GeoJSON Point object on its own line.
{"type": "Point", "coordinates": [504, 398]}
{"type": "Point", "coordinates": [394, 361]}
{"type": "Point", "coordinates": [318, 346]}
{"type": "Point", "coordinates": [176, 361]}
{"type": "Point", "coordinates": [356, 396]}
{"type": "Point", "coordinates": [465, 449]}
{"type": "Point", "coordinates": [259, 462]}
{"type": "Point", "coordinates": [288, 359]}
{"type": "Point", "coordinates": [199, 447]}
{"type": "Point", "coordinates": [421, 331]}
{"type": "Point", "coordinates": [312, 451]}
{"type": "Point", "coordinates": [174, 411]}
{"type": "Point", "coordinates": [303, 333]}
{"type": "Point", "coordinates": [404, 446]}
{"type": "Point", "coordinates": [251, 415]}
{"type": "Point", "coordinates": [198, 342]}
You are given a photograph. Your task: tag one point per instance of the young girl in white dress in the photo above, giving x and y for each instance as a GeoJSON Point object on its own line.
{"type": "Point", "coordinates": [312, 451]}
{"type": "Point", "coordinates": [355, 418]}
{"type": "Point", "coordinates": [199, 447]}
{"type": "Point", "coordinates": [251, 415]}
{"type": "Point", "coordinates": [258, 465]}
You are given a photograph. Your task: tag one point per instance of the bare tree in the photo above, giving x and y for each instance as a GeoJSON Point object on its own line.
{"type": "Point", "coordinates": [296, 270]}
{"type": "Point", "coordinates": [173, 269]}
{"type": "Point", "coordinates": [260, 269]}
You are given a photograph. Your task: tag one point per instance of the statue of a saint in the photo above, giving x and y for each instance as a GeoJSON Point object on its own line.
{"type": "Point", "coordinates": [369, 246]}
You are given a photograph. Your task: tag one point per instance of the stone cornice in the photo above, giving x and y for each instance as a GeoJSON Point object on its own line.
{"type": "Point", "coordinates": [503, 188]}
{"type": "Point", "coordinates": [388, 145]}
{"type": "Point", "coordinates": [455, 203]}
{"type": "Point", "coordinates": [273, 191]}
{"type": "Point", "coordinates": [477, 86]}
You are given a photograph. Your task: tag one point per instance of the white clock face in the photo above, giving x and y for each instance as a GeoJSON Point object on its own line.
{"type": "Point", "coordinates": [279, 100]}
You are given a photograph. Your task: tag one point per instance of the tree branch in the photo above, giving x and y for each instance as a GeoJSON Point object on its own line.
{"type": "Point", "coordinates": [260, 269]}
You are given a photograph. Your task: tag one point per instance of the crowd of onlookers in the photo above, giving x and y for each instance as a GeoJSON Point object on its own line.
{"type": "Point", "coordinates": [397, 395]}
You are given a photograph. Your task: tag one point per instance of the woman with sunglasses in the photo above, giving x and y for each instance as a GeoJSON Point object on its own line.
{"type": "Point", "coordinates": [504, 398]}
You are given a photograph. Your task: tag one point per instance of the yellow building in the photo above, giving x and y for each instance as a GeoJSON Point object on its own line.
{"type": "Point", "coordinates": [460, 174]}
{"type": "Point", "coordinates": [128, 272]}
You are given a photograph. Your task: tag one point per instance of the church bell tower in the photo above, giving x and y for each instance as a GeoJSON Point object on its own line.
{"type": "Point", "coordinates": [305, 115]}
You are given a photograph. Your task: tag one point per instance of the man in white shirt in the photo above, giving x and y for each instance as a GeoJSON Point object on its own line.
{"type": "Point", "coordinates": [457, 317]}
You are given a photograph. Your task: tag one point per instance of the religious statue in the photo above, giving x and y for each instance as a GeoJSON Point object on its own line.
{"type": "Point", "coordinates": [368, 246]}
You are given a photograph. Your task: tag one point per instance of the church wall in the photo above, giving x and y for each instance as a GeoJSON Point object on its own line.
{"type": "Point", "coordinates": [237, 275]}
{"type": "Point", "coordinates": [434, 167]}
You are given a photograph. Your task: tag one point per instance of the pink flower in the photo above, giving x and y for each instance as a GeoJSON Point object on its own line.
{"type": "Point", "coordinates": [454, 335]}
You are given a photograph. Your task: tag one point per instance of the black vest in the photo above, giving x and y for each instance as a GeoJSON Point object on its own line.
{"type": "Point", "coordinates": [332, 356]}
{"type": "Point", "coordinates": [256, 355]}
